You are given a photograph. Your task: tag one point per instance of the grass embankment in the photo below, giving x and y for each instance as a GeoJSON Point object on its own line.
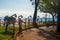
{"type": "Point", "coordinates": [6, 35]}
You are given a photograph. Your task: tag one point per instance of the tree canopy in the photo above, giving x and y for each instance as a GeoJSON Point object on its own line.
{"type": "Point", "coordinates": [48, 6]}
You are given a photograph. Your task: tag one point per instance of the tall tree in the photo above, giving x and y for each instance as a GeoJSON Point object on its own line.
{"type": "Point", "coordinates": [5, 22]}
{"type": "Point", "coordinates": [29, 21]}
{"type": "Point", "coordinates": [25, 22]}
{"type": "Point", "coordinates": [48, 7]}
{"type": "Point", "coordinates": [10, 20]}
{"type": "Point", "coordinates": [20, 23]}
{"type": "Point", "coordinates": [58, 20]}
{"type": "Point", "coordinates": [35, 12]}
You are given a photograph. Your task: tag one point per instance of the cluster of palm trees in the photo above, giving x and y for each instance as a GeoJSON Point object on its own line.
{"type": "Point", "coordinates": [12, 20]}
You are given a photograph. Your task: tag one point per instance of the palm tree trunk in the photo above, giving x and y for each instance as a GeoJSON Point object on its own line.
{"type": "Point", "coordinates": [25, 23]}
{"type": "Point", "coordinates": [20, 27]}
{"type": "Point", "coordinates": [35, 15]}
{"type": "Point", "coordinates": [58, 20]}
{"type": "Point", "coordinates": [28, 23]}
{"type": "Point", "coordinates": [6, 27]}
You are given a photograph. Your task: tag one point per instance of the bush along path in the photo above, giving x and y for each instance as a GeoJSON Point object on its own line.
{"type": "Point", "coordinates": [35, 34]}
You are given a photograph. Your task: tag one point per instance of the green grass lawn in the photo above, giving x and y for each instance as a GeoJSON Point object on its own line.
{"type": "Point", "coordinates": [6, 35]}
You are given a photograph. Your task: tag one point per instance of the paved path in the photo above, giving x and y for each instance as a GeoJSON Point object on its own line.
{"type": "Point", "coordinates": [35, 34]}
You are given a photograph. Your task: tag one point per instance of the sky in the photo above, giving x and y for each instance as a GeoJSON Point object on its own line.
{"type": "Point", "coordinates": [19, 7]}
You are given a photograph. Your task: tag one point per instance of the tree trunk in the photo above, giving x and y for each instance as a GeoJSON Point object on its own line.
{"type": "Point", "coordinates": [35, 15]}
{"type": "Point", "coordinates": [53, 21]}
{"type": "Point", "coordinates": [20, 27]}
{"type": "Point", "coordinates": [28, 23]}
{"type": "Point", "coordinates": [58, 20]}
{"type": "Point", "coordinates": [41, 20]}
{"type": "Point", "coordinates": [25, 23]}
{"type": "Point", "coordinates": [6, 27]}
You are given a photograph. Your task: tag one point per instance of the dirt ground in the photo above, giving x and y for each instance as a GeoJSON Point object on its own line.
{"type": "Point", "coordinates": [35, 34]}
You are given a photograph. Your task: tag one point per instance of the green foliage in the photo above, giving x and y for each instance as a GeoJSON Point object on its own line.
{"type": "Point", "coordinates": [33, 3]}
{"type": "Point", "coordinates": [7, 18]}
{"type": "Point", "coordinates": [30, 0]}
{"type": "Point", "coordinates": [48, 6]}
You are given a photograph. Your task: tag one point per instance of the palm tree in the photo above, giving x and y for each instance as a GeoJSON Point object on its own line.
{"type": "Point", "coordinates": [20, 23]}
{"type": "Point", "coordinates": [29, 20]}
{"type": "Point", "coordinates": [10, 20]}
{"type": "Point", "coordinates": [25, 22]}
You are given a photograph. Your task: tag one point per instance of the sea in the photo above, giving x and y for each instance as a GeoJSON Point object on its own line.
{"type": "Point", "coordinates": [40, 19]}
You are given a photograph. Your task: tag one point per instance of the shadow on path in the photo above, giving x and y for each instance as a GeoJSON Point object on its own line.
{"type": "Point", "coordinates": [36, 34]}
{"type": "Point", "coordinates": [46, 35]}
